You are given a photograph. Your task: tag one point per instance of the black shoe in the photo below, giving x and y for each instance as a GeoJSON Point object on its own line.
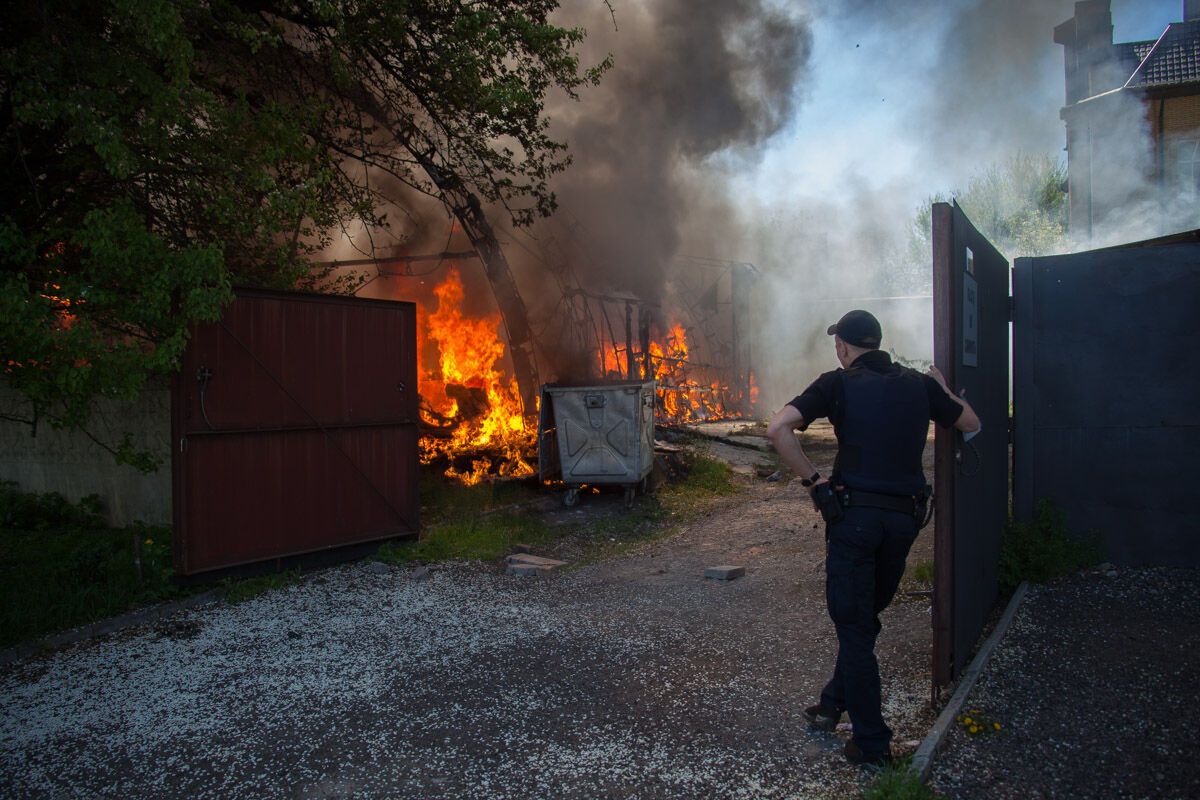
{"type": "Point", "coordinates": [822, 718]}
{"type": "Point", "coordinates": [855, 755]}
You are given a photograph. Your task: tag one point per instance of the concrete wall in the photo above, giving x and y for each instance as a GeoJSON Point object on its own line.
{"type": "Point", "coordinates": [69, 463]}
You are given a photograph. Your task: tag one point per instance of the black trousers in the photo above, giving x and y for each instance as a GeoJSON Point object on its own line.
{"type": "Point", "coordinates": [864, 561]}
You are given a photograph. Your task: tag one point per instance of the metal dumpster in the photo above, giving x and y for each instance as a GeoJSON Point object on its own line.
{"type": "Point", "coordinates": [597, 434]}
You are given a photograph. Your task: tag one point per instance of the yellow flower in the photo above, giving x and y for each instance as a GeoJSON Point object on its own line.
{"type": "Point", "coordinates": [996, 725]}
{"type": "Point", "coordinates": [968, 721]}
{"type": "Point", "coordinates": [149, 541]}
{"type": "Point", "coordinates": [974, 729]}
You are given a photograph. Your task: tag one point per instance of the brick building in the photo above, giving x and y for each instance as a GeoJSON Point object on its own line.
{"type": "Point", "coordinates": [1133, 120]}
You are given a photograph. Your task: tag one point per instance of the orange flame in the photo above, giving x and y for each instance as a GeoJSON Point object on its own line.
{"type": "Point", "coordinates": [467, 395]}
{"type": "Point", "coordinates": [681, 397]}
{"type": "Point", "coordinates": [472, 411]}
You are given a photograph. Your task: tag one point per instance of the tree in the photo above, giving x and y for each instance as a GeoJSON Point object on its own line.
{"type": "Point", "coordinates": [158, 152]}
{"type": "Point", "coordinates": [1019, 204]}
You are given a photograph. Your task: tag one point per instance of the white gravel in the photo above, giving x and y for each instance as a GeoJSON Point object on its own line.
{"type": "Point", "coordinates": [468, 684]}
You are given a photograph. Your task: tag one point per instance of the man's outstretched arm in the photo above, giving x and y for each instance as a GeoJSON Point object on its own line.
{"type": "Point", "coordinates": [780, 432]}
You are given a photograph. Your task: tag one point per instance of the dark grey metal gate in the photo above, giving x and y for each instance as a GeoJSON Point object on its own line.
{"type": "Point", "coordinates": [970, 345]}
{"type": "Point", "coordinates": [1106, 396]}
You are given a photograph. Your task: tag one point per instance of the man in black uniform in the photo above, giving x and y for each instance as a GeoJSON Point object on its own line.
{"type": "Point", "coordinates": [871, 503]}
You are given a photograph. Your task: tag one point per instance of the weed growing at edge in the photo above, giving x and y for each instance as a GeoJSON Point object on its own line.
{"type": "Point", "coordinates": [975, 722]}
{"type": "Point", "coordinates": [922, 572]}
{"type": "Point", "coordinates": [898, 782]}
{"type": "Point", "coordinates": [241, 590]}
{"type": "Point", "coordinates": [61, 566]}
{"type": "Point", "coordinates": [1044, 549]}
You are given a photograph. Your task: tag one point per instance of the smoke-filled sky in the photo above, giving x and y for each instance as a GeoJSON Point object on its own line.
{"type": "Point", "coordinates": [802, 136]}
{"type": "Point", "coordinates": [911, 97]}
{"type": "Point", "coordinates": [798, 135]}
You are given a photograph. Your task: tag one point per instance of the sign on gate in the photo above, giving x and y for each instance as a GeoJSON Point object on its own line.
{"type": "Point", "coordinates": [970, 344]}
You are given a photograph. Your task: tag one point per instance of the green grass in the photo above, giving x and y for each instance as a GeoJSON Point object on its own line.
{"type": "Point", "coordinates": [61, 566]}
{"type": "Point", "coordinates": [239, 590]}
{"type": "Point", "coordinates": [921, 572]}
{"type": "Point", "coordinates": [706, 478]}
{"type": "Point", "coordinates": [480, 522]}
{"type": "Point", "coordinates": [483, 522]}
{"type": "Point", "coordinates": [1044, 550]}
{"type": "Point", "coordinates": [897, 782]}
{"type": "Point", "coordinates": [484, 538]}
{"type": "Point", "coordinates": [444, 499]}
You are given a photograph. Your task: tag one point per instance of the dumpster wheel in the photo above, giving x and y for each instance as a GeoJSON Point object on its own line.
{"type": "Point", "coordinates": [571, 497]}
{"type": "Point", "coordinates": [630, 492]}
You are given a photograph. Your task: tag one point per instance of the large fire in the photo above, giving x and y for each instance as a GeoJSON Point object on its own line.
{"type": "Point", "coordinates": [471, 409]}
{"type": "Point", "coordinates": [681, 398]}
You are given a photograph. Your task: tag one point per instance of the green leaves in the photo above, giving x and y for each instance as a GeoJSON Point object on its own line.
{"type": "Point", "coordinates": [162, 151]}
{"type": "Point", "coordinates": [1019, 204]}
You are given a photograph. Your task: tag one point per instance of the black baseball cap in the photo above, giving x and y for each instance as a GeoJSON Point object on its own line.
{"type": "Point", "coordinates": [859, 328]}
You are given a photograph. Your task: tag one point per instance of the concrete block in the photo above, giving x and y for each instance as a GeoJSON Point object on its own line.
{"type": "Point", "coordinates": [724, 573]}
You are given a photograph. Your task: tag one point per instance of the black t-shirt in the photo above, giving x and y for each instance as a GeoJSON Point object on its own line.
{"type": "Point", "coordinates": [818, 399]}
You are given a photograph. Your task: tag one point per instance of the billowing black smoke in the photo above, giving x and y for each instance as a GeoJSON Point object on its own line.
{"type": "Point", "coordinates": [690, 80]}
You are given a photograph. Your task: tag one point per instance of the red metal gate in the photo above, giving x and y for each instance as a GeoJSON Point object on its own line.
{"type": "Point", "coordinates": [294, 420]}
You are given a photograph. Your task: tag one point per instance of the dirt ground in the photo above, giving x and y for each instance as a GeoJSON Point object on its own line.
{"type": "Point", "coordinates": [631, 677]}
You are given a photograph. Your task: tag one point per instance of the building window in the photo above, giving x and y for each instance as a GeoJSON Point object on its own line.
{"type": "Point", "coordinates": [1184, 165]}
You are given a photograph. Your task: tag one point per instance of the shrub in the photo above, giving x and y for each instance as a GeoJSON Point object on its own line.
{"type": "Point", "coordinates": [1044, 549]}
{"type": "Point", "coordinates": [38, 512]}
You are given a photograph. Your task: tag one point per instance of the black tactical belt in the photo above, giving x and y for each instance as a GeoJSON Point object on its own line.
{"type": "Point", "coordinates": [888, 502]}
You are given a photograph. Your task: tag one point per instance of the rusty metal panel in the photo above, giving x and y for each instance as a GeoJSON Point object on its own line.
{"type": "Point", "coordinates": [294, 419]}
{"type": "Point", "coordinates": [971, 320]}
{"type": "Point", "coordinates": [944, 317]}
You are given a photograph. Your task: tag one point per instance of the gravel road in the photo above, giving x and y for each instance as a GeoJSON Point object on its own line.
{"type": "Point", "coordinates": [632, 678]}
{"type": "Point", "coordinates": [1095, 687]}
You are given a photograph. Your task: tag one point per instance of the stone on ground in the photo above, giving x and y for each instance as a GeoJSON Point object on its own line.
{"type": "Point", "coordinates": [724, 573]}
{"type": "Point", "coordinates": [526, 564]}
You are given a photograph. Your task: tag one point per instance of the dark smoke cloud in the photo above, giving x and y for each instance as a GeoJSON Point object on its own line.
{"type": "Point", "coordinates": [690, 80]}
